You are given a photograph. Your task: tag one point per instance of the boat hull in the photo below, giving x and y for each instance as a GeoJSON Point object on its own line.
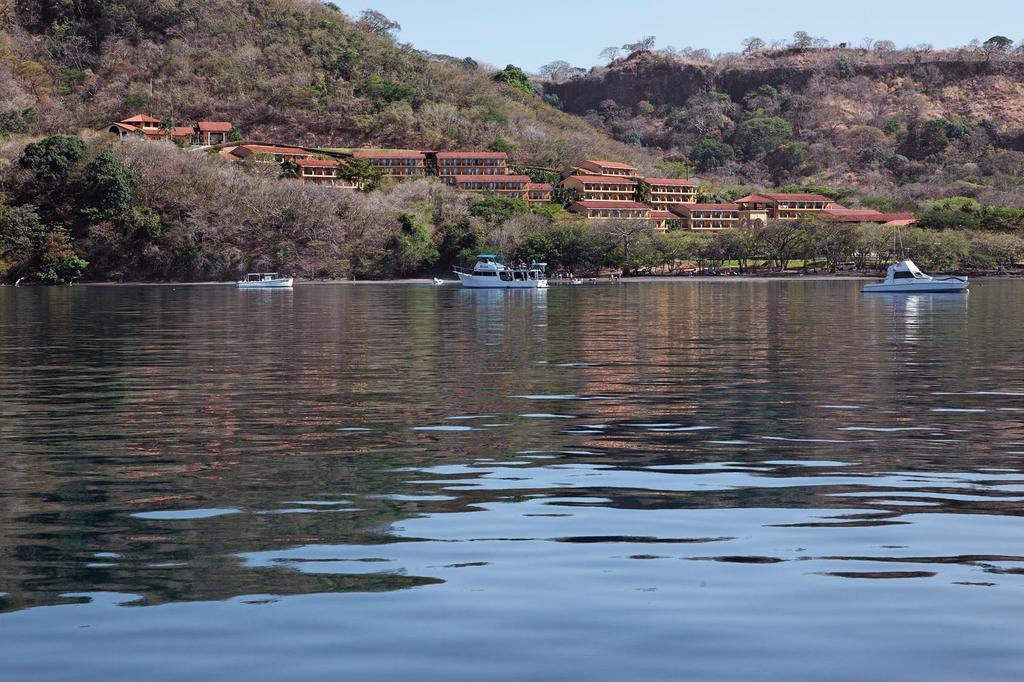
{"type": "Point", "coordinates": [282, 283]}
{"type": "Point", "coordinates": [946, 286]}
{"type": "Point", "coordinates": [473, 282]}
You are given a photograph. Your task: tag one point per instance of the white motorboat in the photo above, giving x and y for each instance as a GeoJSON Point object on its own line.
{"type": "Point", "coordinates": [491, 272]}
{"type": "Point", "coordinates": [265, 280]}
{"type": "Point", "coordinates": [905, 278]}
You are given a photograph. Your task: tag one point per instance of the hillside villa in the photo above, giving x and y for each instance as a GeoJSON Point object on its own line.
{"type": "Point", "coordinates": [393, 163]}
{"type": "Point", "coordinates": [471, 163]}
{"type": "Point", "coordinates": [605, 190]}
{"type": "Point", "coordinates": [202, 133]}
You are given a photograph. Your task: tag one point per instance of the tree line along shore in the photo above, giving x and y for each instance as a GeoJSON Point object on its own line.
{"type": "Point", "coordinates": [94, 208]}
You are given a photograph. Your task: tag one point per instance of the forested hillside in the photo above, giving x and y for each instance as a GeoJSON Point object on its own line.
{"type": "Point", "coordinates": [294, 71]}
{"type": "Point", "coordinates": [911, 124]}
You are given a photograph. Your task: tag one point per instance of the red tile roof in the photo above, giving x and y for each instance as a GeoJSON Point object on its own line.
{"type": "Point", "coordinates": [181, 131]}
{"type": "Point", "coordinates": [611, 164]}
{"type": "Point", "coordinates": [606, 179]}
{"type": "Point", "coordinates": [124, 126]}
{"type": "Point", "coordinates": [459, 179]}
{"type": "Point", "coordinates": [610, 204]}
{"type": "Point", "coordinates": [664, 215]}
{"type": "Point", "coordinates": [214, 126]}
{"type": "Point", "coordinates": [141, 118]}
{"type": "Point", "coordinates": [866, 215]}
{"type": "Point", "coordinates": [674, 182]}
{"type": "Point", "coordinates": [770, 197]}
{"type": "Point", "coordinates": [472, 155]}
{"type": "Point", "coordinates": [270, 149]}
{"type": "Point", "coordinates": [687, 208]}
{"type": "Point", "coordinates": [539, 186]}
{"type": "Point", "coordinates": [387, 154]}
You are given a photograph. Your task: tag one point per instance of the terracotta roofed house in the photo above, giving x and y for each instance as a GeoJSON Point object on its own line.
{"type": "Point", "coordinates": [472, 163]}
{"type": "Point", "coordinates": [395, 163]}
{"type": "Point", "coordinates": [607, 210]}
{"type": "Point", "coordinates": [601, 187]}
{"type": "Point", "coordinates": [322, 172]}
{"type": "Point", "coordinates": [668, 191]}
{"type": "Point", "coordinates": [718, 216]}
{"type": "Point", "coordinates": [786, 206]}
{"type": "Point", "coordinates": [139, 124]}
{"type": "Point", "coordinates": [263, 153]}
{"type": "Point", "coordinates": [506, 185]}
{"type": "Point", "coordinates": [539, 193]}
{"type": "Point", "coordinates": [613, 168]}
{"type": "Point", "coordinates": [867, 215]}
{"type": "Point", "coordinates": [212, 132]}
{"type": "Point", "coordinates": [666, 220]}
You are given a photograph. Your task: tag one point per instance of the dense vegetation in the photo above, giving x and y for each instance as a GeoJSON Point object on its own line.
{"type": "Point", "coordinates": [134, 209]}
{"type": "Point", "coordinates": [915, 124]}
{"type": "Point", "coordinates": [289, 71]}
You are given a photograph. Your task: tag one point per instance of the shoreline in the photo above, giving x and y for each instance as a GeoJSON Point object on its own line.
{"type": "Point", "coordinates": [645, 279]}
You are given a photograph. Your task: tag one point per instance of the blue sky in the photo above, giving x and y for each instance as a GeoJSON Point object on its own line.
{"type": "Point", "coordinates": [530, 33]}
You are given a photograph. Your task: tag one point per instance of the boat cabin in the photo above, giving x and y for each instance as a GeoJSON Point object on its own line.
{"type": "Point", "coordinates": [262, 277]}
{"type": "Point", "coordinates": [905, 269]}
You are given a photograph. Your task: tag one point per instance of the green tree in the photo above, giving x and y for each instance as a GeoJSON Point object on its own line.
{"type": "Point", "coordinates": [53, 157]}
{"type": "Point", "coordinates": [758, 137]}
{"type": "Point", "coordinates": [780, 241]}
{"type": "Point", "coordinates": [411, 249]}
{"type": "Point", "coordinates": [110, 186]}
{"type": "Point", "coordinates": [567, 247]}
{"type": "Point", "coordinates": [495, 208]}
{"type": "Point", "coordinates": [643, 191]}
{"type": "Point", "coordinates": [58, 262]}
{"type": "Point", "coordinates": [789, 160]}
{"type": "Point", "coordinates": [16, 121]}
{"type": "Point", "coordinates": [21, 231]}
{"type": "Point", "coordinates": [515, 77]}
{"type": "Point", "coordinates": [997, 44]}
{"type": "Point", "coordinates": [710, 154]}
{"type": "Point", "coordinates": [460, 243]}
{"type": "Point", "coordinates": [837, 242]}
{"type": "Point", "coordinates": [361, 173]}
{"type": "Point", "coordinates": [953, 213]}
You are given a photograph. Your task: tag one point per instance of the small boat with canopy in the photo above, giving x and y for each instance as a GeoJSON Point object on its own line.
{"type": "Point", "coordinates": [492, 272]}
{"type": "Point", "coordinates": [265, 280]}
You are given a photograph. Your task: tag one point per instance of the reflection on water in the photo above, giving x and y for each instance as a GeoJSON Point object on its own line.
{"type": "Point", "coordinates": [693, 480]}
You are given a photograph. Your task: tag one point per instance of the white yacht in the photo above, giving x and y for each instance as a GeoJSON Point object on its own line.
{"type": "Point", "coordinates": [491, 272]}
{"type": "Point", "coordinates": [905, 278]}
{"type": "Point", "coordinates": [265, 280]}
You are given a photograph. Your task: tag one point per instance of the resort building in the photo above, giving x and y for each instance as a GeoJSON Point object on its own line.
{"type": "Point", "coordinates": [539, 193]}
{"type": "Point", "coordinates": [212, 132]}
{"type": "Point", "coordinates": [610, 168]}
{"type": "Point", "coordinates": [668, 191]}
{"type": "Point", "coordinates": [867, 215]}
{"type": "Point", "coordinates": [322, 172]}
{"type": "Point", "coordinates": [471, 163]}
{"type": "Point", "coordinates": [203, 133]}
{"type": "Point", "coordinates": [140, 124]}
{"type": "Point", "coordinates": [393, 163]}
{"type": "Point", "coordinates": [182, 134]}
{"type": "Point", "coordinates": [514, 186]}
{"type": "Point", "coordinates": [786, 206]}
{"type": "Point", "coordinates": [261, 153]}
{"type": "Point", "coordinates": [602, 188]}
{"type": "Point", "coordinates": [606, 210]}
{"type": "Point", "coordinates": [666, 220]}
{"type": "Point", "coordinates": [718, 216]}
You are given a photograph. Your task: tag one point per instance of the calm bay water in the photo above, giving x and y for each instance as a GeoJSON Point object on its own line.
{"type": "Point", "coordinates": [725, 480]}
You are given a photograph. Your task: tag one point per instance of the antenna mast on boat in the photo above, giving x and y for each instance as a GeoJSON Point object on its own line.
{"type": "Point", "coordinates": [897, 244]}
